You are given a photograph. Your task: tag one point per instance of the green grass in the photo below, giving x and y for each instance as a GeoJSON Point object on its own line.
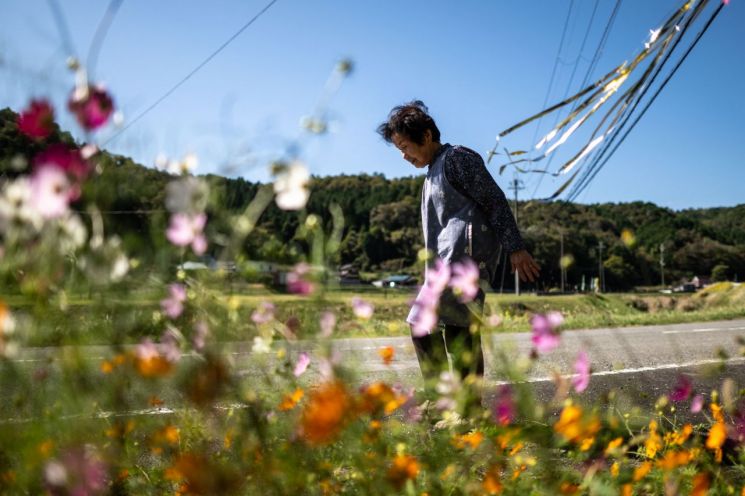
{"type": "Point", "coordinates": [126, 317]}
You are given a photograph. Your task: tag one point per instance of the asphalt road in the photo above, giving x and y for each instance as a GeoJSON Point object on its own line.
{"type": "Point", "coordinates": [637, 363]}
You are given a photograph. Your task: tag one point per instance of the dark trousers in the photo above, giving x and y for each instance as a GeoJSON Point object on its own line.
{"type": "Point", "coordinates": [463, 346]}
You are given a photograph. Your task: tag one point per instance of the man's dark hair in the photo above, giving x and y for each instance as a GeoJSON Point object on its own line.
{"type": "Point", "coordinates": [410, 120]}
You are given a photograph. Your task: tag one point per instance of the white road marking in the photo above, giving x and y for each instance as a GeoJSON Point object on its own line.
{"type": "Point", "coordinates": [666, 366]}
{"type": "Point", "coordinates": [706, 329]}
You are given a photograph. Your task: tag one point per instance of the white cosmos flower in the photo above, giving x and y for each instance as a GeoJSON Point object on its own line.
{"type": "Point", "coordinates": [291, 186]}
{"type": "Point", "coordinates": [187, 195]}
{"type": "Point", "coordinates": [72, 234]}
{"type": "Point", "coordinates": [16, 206]}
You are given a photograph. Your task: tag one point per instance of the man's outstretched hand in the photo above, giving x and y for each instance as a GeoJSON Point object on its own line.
{"type": "Point", "coordinates": [526, 267]}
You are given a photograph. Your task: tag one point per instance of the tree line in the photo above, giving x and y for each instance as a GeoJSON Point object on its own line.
{"type": "Point", "coordinates": [382, 224]}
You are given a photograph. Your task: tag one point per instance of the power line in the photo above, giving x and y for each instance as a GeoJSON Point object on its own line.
{"type": "Point", "coordinates": [64, 31]}
{"type": "Point", "coordinates": [101, 31]}
{"type": "Point", "coordinates": [190, 74]}
{"type": "Point", "coordinates": [595, 167]}
{"type": "Point", "coordinates": [566, 92]}
{"type": "Point", "coordinates": [553, 71]}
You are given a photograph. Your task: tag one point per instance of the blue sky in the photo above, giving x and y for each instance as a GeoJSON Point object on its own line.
{"type": "Point", "coordinates": [480, 66]}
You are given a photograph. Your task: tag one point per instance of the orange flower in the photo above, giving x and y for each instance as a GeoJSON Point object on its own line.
{"type": "Point", "coordinates": [674, 459]}
{"type": "Point", "coordinates": [700, 484]}
{"type": "Point", "coordinates": [45, 448]}
{"type": "Point", "coordinates": [168, 434]}
{"type": "Point", "coordinates": [627, 490]}
{"type": "Point", "coordinates": [290, 400]}
{"type": "Point", "coordinates": [492, 483]}
{"type": "Point", "coordinates": [717, 436]}
{"type": "Point", "coordinates": [120, 429]}
{"type": "Point", "coordinates": [642, 470]}
{"type": "Point", "coordinates": [199, 474]}
{"type": "Point", "coordinates": [380, 396]}
{"type": "Point", "coordinates": [107, 367]}
{"type": "Point", "coordinates": [568, 488]}
{"type": "Point", "coordinates": [679, 437]}
{"type": "Point", "coordinates": [613, 446]}
{"type": "Point", "coordinates": [325, 413]}
{"type": "Point", "coordinates": [716, 411]}
{"type": "Point", "coordinates": [472, 439]}
{"type": "Point", "coordinates": [576, 428]}
{"type": "Point", "coordinates": [386, 353]}
{"type": "Point", "coordinates": [403, 468]}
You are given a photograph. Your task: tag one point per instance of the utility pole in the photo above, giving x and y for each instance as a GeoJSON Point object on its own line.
{"type": "Point", "coordinates": [601, 271]}
{"type": "Point", "coordinates": [516, 185]}
{"type": "Point", "coordinates": [662, 263]}
{"type": "Point", "coordinates": [561, 261]}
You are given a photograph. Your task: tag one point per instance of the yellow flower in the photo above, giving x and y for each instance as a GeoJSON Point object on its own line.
{"type": "Point", "coordinates": [45, 448]}
{"type": "Point", "coordinates": [449, 470]}
{"type": "Point", "coordinates": [614, 469]}
{"type": "Point", "coordinates": [654, 442]}
{"type": "Point", "coordinates": [628, 238]}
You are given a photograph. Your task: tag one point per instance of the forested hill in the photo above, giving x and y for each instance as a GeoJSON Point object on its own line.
{"type": "Point", "coordinates": [382, 222]}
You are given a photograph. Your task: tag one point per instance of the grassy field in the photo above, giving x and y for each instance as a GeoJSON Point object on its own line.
{"type": "Point", "coordinates": [128, 316]}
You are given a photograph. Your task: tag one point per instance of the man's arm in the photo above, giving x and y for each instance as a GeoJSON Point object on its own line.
{"type": "Point", "coordinates": [466, 172]}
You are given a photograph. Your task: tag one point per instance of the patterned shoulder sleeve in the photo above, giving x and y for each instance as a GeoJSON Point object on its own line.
{"type": "Point", "coordinates": [467, 173]}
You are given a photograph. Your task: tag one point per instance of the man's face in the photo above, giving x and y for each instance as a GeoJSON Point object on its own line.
{"type": "Point", "coordinates": [417, 155]}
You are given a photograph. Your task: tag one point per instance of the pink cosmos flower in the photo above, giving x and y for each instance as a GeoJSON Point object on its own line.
{"type": "Point", "coordinates": [173, 306]}
{"type": "Point", "coordinates": [683, 389]}
{"type": "Point", "coordinates": [264, 313]}
{"type": "Point", "coordinates": [465, 280]}
{"type": "Point", "coordinates": [437, 277]}
{"type": "Point", "coordinates": [361, 308]}
{"type": "Point", "coordinates": [50, 192]}
{"type": "Point", "coordinates": [697, 403]}
{"type": "Point", "coordinates": [146, 350]}
{"type": "Point", "coordinates": [37, 121]}
{"type": "Point", "coordinates": [80, 471]}
{"type": "Point", "coordinates": [494, 320]}
{"type": "Point", "coordinates": [92, 106]}
{"type": "Point", "coordinates": [185, 230]}
{"type": "Point", "coordinates": [303, 360]}
{"type": "Point", "coordinates": [70, 160]}
{"type": "Point", "coordinates": [201, 331]}
{"type": "Point", "coordinates": [503, 408]}
{"type": "Point", "coordinates": [170, 344]}
{"type": "Point", "coordinates": [545, 335]}
{"type": "Point", "coordinates": [582, 370]}
{"type": "Point", "coordinates": [297, 282]}
{"type": "Point", "coordinates": [424, 318]}
{"type": "Point", "coordinates": [328, 322]}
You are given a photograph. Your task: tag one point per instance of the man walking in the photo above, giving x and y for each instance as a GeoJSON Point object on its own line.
{"type": "Point", "coordinates": [465, 216]}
